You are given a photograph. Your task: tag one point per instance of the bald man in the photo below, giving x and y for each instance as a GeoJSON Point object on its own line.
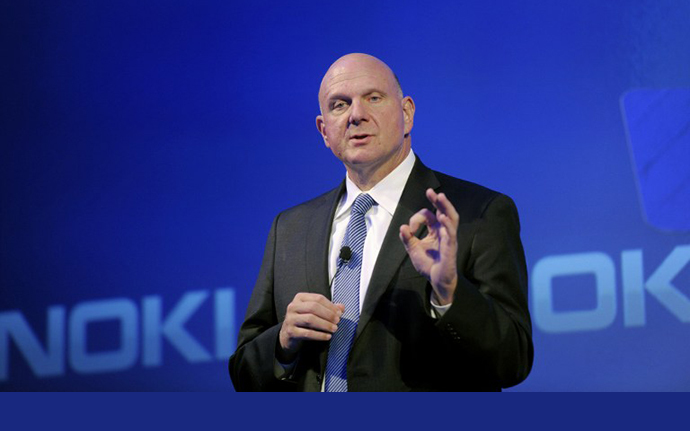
{"type": "Point", "coordinates": [424, 288]}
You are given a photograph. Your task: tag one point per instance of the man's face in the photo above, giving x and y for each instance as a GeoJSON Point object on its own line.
{"type": "Point", "coordinates": [364, 118]}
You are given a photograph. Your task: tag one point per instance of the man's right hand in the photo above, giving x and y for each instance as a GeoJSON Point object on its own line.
{"type": "Point", "coordinates": [309, 316]}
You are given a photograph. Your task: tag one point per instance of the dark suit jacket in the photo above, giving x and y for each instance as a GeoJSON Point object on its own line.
{"type": "Point", "coordinates": [483, 342]}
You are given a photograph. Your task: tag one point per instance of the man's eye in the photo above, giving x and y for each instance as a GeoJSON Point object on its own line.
{"type": "Point", "coordinates": [338, 105]}
{"type": "Point", "coordinates": [375, 98]}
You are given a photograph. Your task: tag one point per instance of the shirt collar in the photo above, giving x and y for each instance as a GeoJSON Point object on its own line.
{"type": "Point", "coordinates": [386, 192]}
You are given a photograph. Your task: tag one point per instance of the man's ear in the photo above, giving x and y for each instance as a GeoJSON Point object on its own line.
{"type": "Point", "coordinates": [408, 113]}
{"type": "Point", "coordinates": [321, 127]}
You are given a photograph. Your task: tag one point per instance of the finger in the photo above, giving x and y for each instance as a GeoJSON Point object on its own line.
{"type": "Point", "coordinates": [309, 334]}
{"type": "Point", "coordinates": [446, 207]}
{"type": "Point", "coordinates": [315, 297]}
{"type": "Point", "coordinates": [331, 313]}
{"type": "Point", "coordinates": [407, 237]}
{"type": "Point", "coordinates": [448, 223]}
{"type": "Point", "coordinates": [308, 297]}
{"type": "Point", "coordinates": [423, 216]}
{"type": "Point", "coordinates": [431, 195]}
{"type": "Point", "coordinates": [448, 243]}
{"type": "Point", "coordinates": [311, 321]}
{"type": "Point", "coordinates": [441, 202]}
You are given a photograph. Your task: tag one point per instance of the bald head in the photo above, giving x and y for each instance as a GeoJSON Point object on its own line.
{"type": "Point", "coordinates": [351, 66]}
{"type": "Point", "coordinates": [365, 120]}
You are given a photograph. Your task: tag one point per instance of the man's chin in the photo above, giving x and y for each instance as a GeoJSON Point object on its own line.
{"type": "Point", "coordinates": [360, 156]}
{"type": "Point", "coordinates": [359, 162]}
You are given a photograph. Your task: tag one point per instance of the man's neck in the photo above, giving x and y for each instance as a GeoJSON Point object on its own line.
{"type": "Point", "coordinates": [366, 177]}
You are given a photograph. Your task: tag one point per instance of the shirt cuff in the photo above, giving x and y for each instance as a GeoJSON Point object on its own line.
{"type": "Point", "coordinates": [283, 371]}
{"type": "Point", "coordinates": [437, 311]}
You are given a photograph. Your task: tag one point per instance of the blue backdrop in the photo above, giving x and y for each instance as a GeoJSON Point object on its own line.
{"type": "Point", "coordinates": [142, 143]}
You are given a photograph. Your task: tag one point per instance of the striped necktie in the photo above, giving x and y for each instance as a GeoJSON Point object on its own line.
{"type": "Point", "coordinates": [346, 291]}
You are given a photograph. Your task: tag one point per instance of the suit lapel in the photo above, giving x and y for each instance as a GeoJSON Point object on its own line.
{"type": "Point", "coordinates": [318, 234]}
{"type": "Point", "coordinates": [392, 251]}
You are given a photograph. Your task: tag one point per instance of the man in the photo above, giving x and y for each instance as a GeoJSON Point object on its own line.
{"type": "Point", "coordinates": [401, 278]}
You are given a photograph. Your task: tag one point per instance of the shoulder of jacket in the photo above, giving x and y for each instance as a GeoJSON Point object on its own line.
{"type": "Point", "coordinates": [322, 201]}
{"type": "Point", "coordinates": [470, 198]}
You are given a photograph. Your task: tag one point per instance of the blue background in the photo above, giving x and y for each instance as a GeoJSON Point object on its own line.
{"type": "Point", "coordinates": [147, 146]}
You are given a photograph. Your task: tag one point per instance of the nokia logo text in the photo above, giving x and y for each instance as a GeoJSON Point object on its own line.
{"type": "Point", "coordinates": [142, 328]}
{"type": "Point", "coordinates": [658, 284]}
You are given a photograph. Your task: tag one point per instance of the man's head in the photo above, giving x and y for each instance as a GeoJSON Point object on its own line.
{"type": "Point", "coordinates": [365, 120]}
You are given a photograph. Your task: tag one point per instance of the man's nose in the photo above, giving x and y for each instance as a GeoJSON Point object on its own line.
{"type": "Point", "coordinates": [358, 112]}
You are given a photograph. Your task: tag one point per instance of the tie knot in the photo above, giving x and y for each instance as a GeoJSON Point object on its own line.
{"type": "Point", "coordinates": [362, 204]}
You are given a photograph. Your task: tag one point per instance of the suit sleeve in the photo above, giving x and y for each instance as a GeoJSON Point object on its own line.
{"type": "Point", "coordinates": [489, 318]}
{"type": "Point", "coordinates": [252, 366]}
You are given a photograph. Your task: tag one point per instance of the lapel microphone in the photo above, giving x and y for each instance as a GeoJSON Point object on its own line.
{"type": "Point", "coordinates": [343, 259]}
{"type": "Point", "coordinates": [345, 255]}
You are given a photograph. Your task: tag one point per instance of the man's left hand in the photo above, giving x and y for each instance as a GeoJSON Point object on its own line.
{"type": "Point", "coordinates": [435, 255]}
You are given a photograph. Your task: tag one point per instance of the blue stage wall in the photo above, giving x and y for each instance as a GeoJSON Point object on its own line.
{"type": "Point", "coordinates": [147, 146]}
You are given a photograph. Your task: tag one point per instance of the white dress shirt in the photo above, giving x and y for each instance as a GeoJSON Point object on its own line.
{"type": "Point", "coordinates": [387, 194]}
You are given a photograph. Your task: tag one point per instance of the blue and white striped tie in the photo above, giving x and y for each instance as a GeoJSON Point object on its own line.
{"type": "Point", "coordinates": [346, 291]}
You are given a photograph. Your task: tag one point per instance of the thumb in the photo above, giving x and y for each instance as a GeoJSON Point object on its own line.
{"type": "Point", "coordinates": [406, 236]}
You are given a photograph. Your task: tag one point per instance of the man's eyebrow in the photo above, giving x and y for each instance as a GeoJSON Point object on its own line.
{"type": "Point", "coordinates": [337, 96]}
{"type": "Point", "coordinates": [340, 96]}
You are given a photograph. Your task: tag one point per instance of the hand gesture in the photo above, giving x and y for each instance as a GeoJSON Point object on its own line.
{"type": "Point", "coordinates": [310, 316]}
{"type": "Point", "coordinates": [435, 255]}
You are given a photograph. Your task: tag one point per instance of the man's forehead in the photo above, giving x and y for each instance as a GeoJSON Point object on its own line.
{"type": "Point", "coordinates": [339, 78]}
